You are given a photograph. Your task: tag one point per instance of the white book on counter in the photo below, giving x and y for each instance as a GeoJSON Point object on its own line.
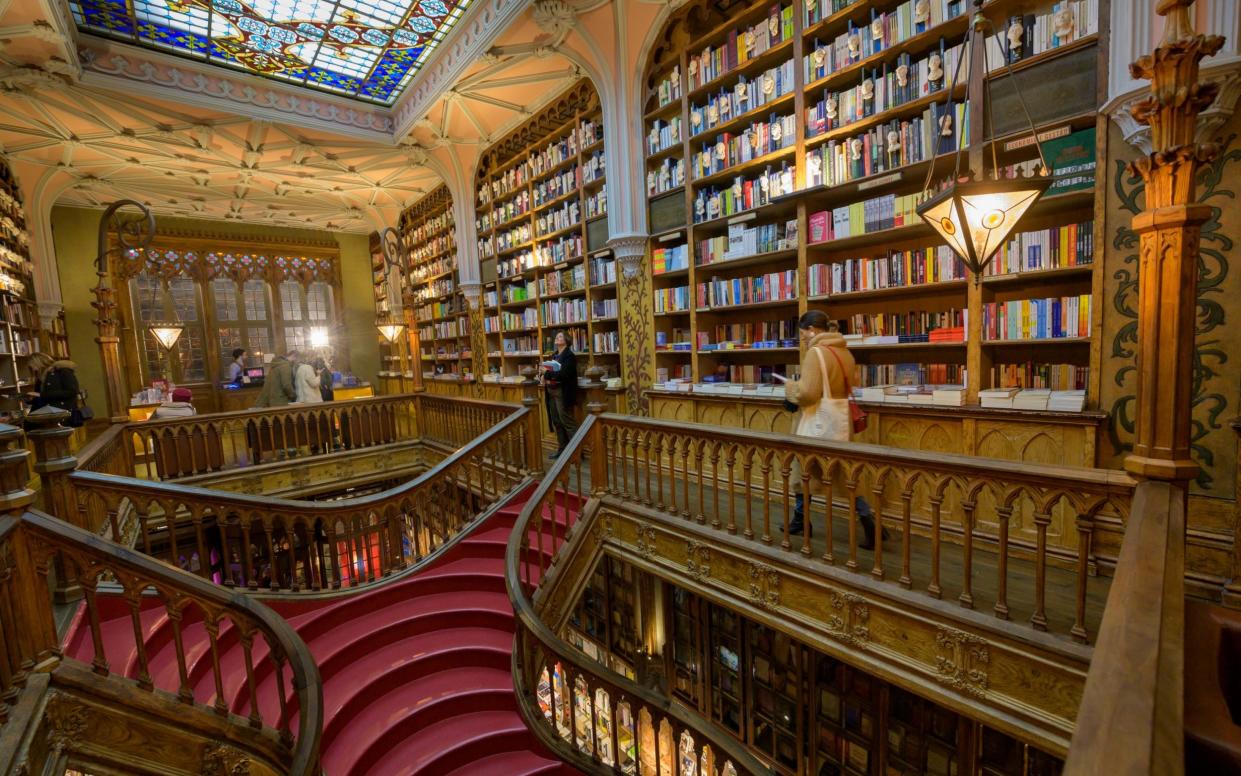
{"type": "Point", "coordinates": [1031, 399]}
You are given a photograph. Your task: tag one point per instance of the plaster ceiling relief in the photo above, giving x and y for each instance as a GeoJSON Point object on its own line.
{"type": "Point", "coordinates": [183, 160]}
{"type": "Point", "coordinates": [368, 50]}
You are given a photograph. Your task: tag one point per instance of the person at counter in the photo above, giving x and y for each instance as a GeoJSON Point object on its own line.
{"type": "Point", "coordinates": [179, 405]}
{"type": "Point", "coordinates": [279, 388]}
{"type": "Point", "coordinates": [326, 390]}
{"type": "Point", "coordinates": [237, 369]}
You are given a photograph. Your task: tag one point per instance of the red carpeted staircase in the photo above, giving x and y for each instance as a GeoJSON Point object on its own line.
{"type": "Point", "coordinates": [416, 673]}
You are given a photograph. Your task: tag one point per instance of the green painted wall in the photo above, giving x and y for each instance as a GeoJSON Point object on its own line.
{"type": "Point", "coordinates": [75, 231]}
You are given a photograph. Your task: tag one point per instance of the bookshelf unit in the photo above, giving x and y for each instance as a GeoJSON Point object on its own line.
{"type": "Point", "coordinates": [842, 236]}
{"type": "Point", "coordinates": [441, 341]}
{"type": "Point", "coordinates": [541, 215]}
{"type": "Point", "coordinates": [20, 332]}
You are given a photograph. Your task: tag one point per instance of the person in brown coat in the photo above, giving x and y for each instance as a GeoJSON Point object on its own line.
{"type": "Point", "coordinates": [822, 398]}
{"type": "Point", "coordinates": [278, 387]}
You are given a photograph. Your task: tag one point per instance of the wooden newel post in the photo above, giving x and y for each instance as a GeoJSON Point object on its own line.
{"type": "Point", "coordinates": [15, 492]}
{"type": "Point", "coordinates": [1169, 230]}
{"type": "Point", "coordinates": [53, 462]}
{"type": "Point", "coordinates": [598, 450]}
{"type": "Point", "coordinates": [534, 423]}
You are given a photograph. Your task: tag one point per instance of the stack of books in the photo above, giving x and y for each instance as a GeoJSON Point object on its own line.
{"type": "Point", "coordinates": [949, 396]}
{"type": "Point", "coordinates": [1067, 401]}
{"type": "Point", "coordinates": [1032, 399]}
{"type": "Point", "coordinates": [1001, 398]}
{"type": "Point", "coordinates": [947, 334]}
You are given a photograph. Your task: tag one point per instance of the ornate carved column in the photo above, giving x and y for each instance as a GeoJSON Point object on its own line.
{"type": "Point", "coordinates": [132, 234]}
{"type": "Point", "coordinates": [473, 292]}
{"type": "Point", "coordinates": [1169, 231]}
{"type": "Point", "coordinates": [637, 320]}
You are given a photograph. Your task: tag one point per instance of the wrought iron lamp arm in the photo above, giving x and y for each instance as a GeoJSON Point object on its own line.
{"type": "Point", "coordinates": [131, 234]}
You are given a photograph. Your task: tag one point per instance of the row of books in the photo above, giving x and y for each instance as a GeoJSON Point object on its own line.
{"type": "Point", "coordinates": [564, 248]}
{"type": "Point", "coordinates": [742, 241]}
{"type": "Point", "coordinates": [889, 211]}
{"type": "Point", "coordinates": [568, 310]}
{"type": "Point", "coordinates": [663, 134]}
{"type": "Point", "coordinates": [595, 167]}
{"type": "Point", "coordinates": [431, 269]}
{"type": "Point", "coordinates": [666, 176]}
{"type": "Point", "coordinates": [1053, 248]}
{"type": "Point", "coordinates": [746, 95]}
{"type": "Point", "coordinates": [431, 247]}
{"type": "Point", "coordinates": [431, 225]}
{"type": "Point", "coordinates": [676, 339]}
{"type": "Point", "coordinates": [884, 88]}
{"type": "Point", "coordinates": [557, 185]}
{"type": "Point", "coordinates": [510, 209]}
{"type": "Point", "coordinates": [1026, 36]}
{"type": "Point", "coordinates": [1051, 318]}
{"type": "Point", "coordinates": [868, 375]}
{"type": "Point", "coordinates": [669, 259]}
{"type": "Point", "coordinates": [1030, 374]}
{"type": "Point", "coordinates": [761, 334]}
{"type": "Point", "coordinates": [889, 146]}
{"type": "Point", "coordinates": [884, 31]}
{"type": "Point", "coordinates": [1043, 399]}
{"type": "Point", "coordinates": [898, 269]}
{"type": "Point", "coordinates": [563, 217]}
{"type": "Point", "coordinates": [563, 281]}
{"type": "Point", "coordinates": [669, 87]}
{"type": "Point", "coordinates": [554, 153]}
{"type": "Point", "coordinates": [604, 308]}
{"type": "Point", "coordinates": [526, 319]}
{"type": "Point", "coordinates": [596, 204]}
{"type": "Point", "coordinates": [740, 46]}
{"type": "Point", "coordinates": [513, 237]}
{"type": "Point", "coordinates": [737, 375]}
{"type": "Point", "coordinates": [770, 287]}
{"type": "Point", "coordinates": [607, 342]}
{"type": "Point", "coordinates": [670, 300]}
{"type": "Point", "coordinates": [910, 324]}
{"type": "Point", "coordinates": [744, 193]}
{"type": "Point", "coordinates": [759, 139]}
{"type": "Point", "coordinates": [602, 271]}
{"type": "Point", "coordinates": [512, 179]}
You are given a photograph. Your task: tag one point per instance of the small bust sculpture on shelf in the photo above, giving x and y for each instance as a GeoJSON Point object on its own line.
{"type": "Point", "coordinates": [894, 142]}
{"type": "Point", "coordinates": [902, 75]}
{"type": "Point", "coordinates": [855, 46]}
{"type": "Point", "coordinates": [855, 148]}
{"type": "Point", "coordinates": [945, 125]}
{"type": "Point", "coordinates": [1062, 24]}
{"type": "Point", "coordinates": [935, 70]}
{"type": "Point", "coordinates": [1016, 32]}
{"type": "Point", "coordinates": [831, 107]}
{"type": "Point", "coordinates": [868, 89]}
{"type": "Point", "coordinates": [820, 56]}
{"type": "Point", "coordinates": [922, 12]}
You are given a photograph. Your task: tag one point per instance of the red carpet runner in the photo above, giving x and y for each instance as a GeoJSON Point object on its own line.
{"type": "Point", "coordinates": [416, 674]}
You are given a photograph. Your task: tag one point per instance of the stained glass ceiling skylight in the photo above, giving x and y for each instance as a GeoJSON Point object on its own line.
{"type": "Point", "coordinates": [365, 49]}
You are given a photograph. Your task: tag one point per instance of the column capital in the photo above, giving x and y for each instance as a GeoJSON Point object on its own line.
{"type": "Point", "coordinates": [629, 250]}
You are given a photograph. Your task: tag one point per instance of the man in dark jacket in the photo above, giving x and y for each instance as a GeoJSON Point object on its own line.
{"type": "Point", "coordinates": [561, 385]}
{"type": "Point", "coordinates": [278, 387]}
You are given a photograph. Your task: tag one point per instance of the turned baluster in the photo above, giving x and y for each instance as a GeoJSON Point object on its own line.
{"type": "Point", "coordinates": [906, 580]}
{"type": "Point", "coordinates": [286, 735]}
{"type": "Point", "coordinates": [808, 513]}
{"type": "Point", "coordinates": [100, 662]}
{"type": "Point", "coordinates": [211, 623]}
{"type": "Point", "coordinates": [685, 475]}
{"type": "Point", "coordinates": [247, 651]}
{"type": "Point", "coordinates": [660, 503]}
{"type": "Point", "coordinates": [933, 589]}
{"type": "Point", "coordinates": [1039, 618]}
{"type": "Point", "coordinates": [786, 474]}
{"type": "Point", "coordinates": [829, 513]}
{"type": "Point", "coordinates": [766, 491]}
{"type": "Point", "coordinates": [732, 490]}
{"type": "Point", "coordinates": [1003, 516]}
{"type": "Point", "coordinates": [1085, 530]}
{"type": "Point", "coordinates": [699, 453]}
{"type": "Point", "coordinates": [967, 555]}
{"type": "Point", "coordinates": [185, 693]}
{"type": "Point", "coordinates": [851, 485]}
{"type": "Point", "coordinates": [877, 508]}
{"type": "Point", "coordinates": [646, 465]}
{"type": "Point", "coordinates": [715, 476]}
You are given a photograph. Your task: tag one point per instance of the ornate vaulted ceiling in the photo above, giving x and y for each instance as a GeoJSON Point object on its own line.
{"type": "Point", "coordinates": [87, 119]}
{"type": "Point", "coordinates": [364, 49]}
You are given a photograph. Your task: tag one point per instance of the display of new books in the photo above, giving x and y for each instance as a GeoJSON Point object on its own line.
{"type": "Point", "coordinates": [949, 396]}
{"type": "Point", "coordinates": [1031, 399]}
{"type": "Point", "coordinates": [1067, 401]}
{"type": "Point", "coordinates": [999, 398]}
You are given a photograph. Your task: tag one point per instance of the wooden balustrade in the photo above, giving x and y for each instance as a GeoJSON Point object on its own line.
{"type": "Point", "coordinates": [181, 447]}
{"type": "Point", "coordinates": [589, 715]}
{"type": "Point", "coordinates": [250, 541]}
{"type": "Point", "coordinates": [988, 521]}
{"type": "Point", "coordinates": [1139, 661]}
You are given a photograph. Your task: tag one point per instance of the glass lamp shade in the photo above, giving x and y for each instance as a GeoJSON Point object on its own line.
{"type": "Point", "coordinates": [975, 218]}
{"type": "Point", "coordinates": [391, 331]}
{"type": "Point", "coordinates": [166, 333]}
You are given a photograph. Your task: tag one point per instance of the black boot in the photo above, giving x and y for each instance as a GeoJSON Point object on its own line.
{"type": "Point", "coordinates": [866, 517]}
{"type": "Point", "coordinates": [797, 524]}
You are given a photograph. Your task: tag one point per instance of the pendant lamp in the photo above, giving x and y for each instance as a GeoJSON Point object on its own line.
{"type": "Point", "coordinates": [975, 215]}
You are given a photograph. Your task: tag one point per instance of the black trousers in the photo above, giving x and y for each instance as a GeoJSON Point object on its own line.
{"type": "Point", "coordinates": [561, 418]}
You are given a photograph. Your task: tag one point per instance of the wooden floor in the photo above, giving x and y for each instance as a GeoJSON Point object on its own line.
{"type": "Point", "coordinates": [1060, 600]}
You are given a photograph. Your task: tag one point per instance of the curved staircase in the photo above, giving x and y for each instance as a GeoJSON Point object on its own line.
{"type": "Point", "coordinates": [416, 673]}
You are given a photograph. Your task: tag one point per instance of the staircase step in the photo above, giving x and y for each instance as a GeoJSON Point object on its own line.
{"type": "Point", "coordinates": [453, 744]}
{"type": "Point", "coordinates": [518, 763]}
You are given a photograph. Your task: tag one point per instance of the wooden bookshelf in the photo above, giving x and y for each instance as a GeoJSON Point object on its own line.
{"type": "Point", "coordinates": [541, 214]}
{"type": "Point", "coordinates": [674, 96]}
{"type": "Point", "coordinates": [21, 334]}
{"type": "Point", "coordinates": [441, 337]}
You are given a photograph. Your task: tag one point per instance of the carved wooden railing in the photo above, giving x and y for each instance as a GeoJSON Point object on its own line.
{"type": "Point", "coordinates": [744, 483]}
{"type": "Point", "coordinates": [33, 543]}
{"type": "Point", "coordinates": [587, 714]}
{"type": "Point", "coordinates": [1131, 718]}
{"type": "Point", "coordinates": [180, 447]}
{"type": "Point", "coordinates": [288, 545]}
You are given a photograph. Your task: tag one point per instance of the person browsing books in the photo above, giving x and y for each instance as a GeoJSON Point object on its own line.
{"type": "Point", "coordinates": [560, 382]}
{"type": "Point", "coordinates": [822, 398]}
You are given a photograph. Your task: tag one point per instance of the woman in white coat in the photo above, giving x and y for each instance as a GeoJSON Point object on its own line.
{"type": "Point", "coordinates": [822, 396]}
{"type": "Point", "coordinates": [306, 382]}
